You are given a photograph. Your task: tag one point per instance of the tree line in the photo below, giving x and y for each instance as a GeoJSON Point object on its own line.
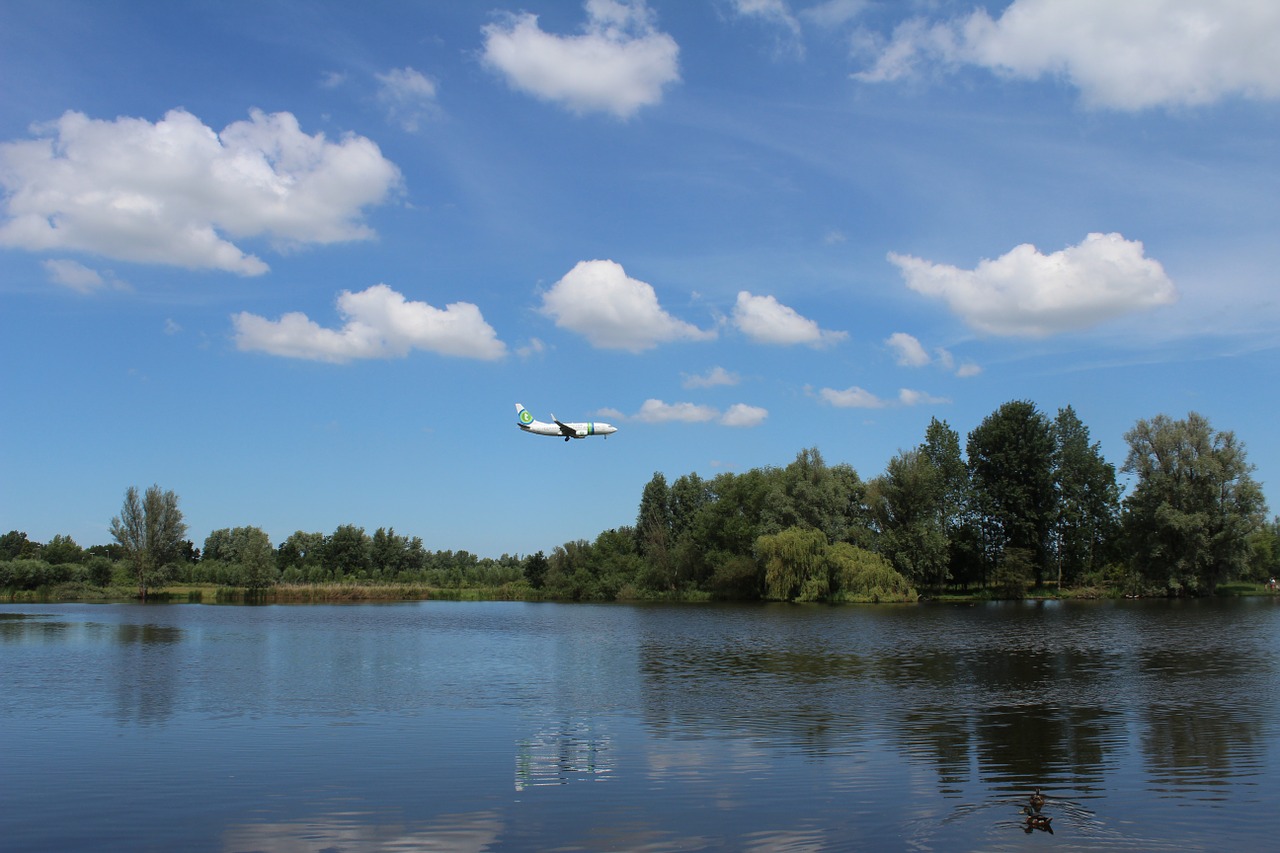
{"type": "Point", "coordinates": [1030, 502]}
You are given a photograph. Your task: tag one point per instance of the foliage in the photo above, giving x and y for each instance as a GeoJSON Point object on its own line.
{"type": "Point", "coordinates": [859, 575]}
{"type": "Point", "coordinates": [794, 564]}
{"type": "Point", "coordinates": [1189, 519]}
{"type": "Point", "coordinates": [1011, 468]}
{"type": "Point", "coordinates": [1034, 497]}
{"type": "Point", "coordinates": [151, 532]}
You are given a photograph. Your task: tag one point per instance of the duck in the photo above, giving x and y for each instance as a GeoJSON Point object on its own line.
{"type": "Point", "coordinates": [1037, 800]}
{"type": "Point", "coordinates": [1037, 821]}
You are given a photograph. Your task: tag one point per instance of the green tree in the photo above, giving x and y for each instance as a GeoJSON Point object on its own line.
{"type": "Point", "coordinates": [906, 506]}
{"type": "Point", "coordinates": [1011, 471]}
{"type": "Point", "coordinates": [62, 549]}
{"type": "Point", "coordinates": [861, 575]}
{"type": "Point", "coordinates": [257, 559]}
{"type": "Point", "coordinates": [1188, 520]}
{"type": "Point", "coordinates": [653, 532]}
{"type": "Point", "coordinates": [301, 555]}
{"type": "Point", "coordinates": [1088, 499]}
{"type": "Point", "coordinates": [535, 569]}
{"type": "Point", "coordinates": [347, 553]}
{"type": "Point", "coordinates": [15, 545]}
{"type": "Point", "coordinates": [150, 530]}
{"type": "Point", "coordinates": [812, 495]}
{"type": "Point", "coordinates": [795, 567]}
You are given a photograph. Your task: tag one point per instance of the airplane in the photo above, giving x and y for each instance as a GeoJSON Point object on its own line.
{"type": "Point", "coordinates": [556, 427]}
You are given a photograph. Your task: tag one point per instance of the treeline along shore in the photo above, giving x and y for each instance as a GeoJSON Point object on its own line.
{"type": "Point", "coordinates": [1029, 508]}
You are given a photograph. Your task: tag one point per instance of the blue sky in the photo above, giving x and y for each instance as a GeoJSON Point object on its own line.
{"type": "Point", "coordinates": [297, 261]}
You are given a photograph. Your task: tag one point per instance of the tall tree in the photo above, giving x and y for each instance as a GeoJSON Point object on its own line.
{"type": "Point", "coordinates": [1188, 520]}
{"type": "Point", "coordinates": [150, 530]}
{"type": "Point", "coordinates": [1011, 469]}
{"type": "Point", "coordinates": [1088, 499]}
{"type": "Point", "coordinates": [653, 532]}
{"type": "Point", "coordinates": [812, 495]}
{"type": "Point", "coordinates": [906, 505]}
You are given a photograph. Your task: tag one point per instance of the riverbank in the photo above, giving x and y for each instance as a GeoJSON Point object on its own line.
{"type": "Point", "coordinates": [373, 593]}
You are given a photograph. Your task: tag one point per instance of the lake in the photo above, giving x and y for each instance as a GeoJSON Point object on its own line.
{"type": "Point", "coordinates": [452, 726]}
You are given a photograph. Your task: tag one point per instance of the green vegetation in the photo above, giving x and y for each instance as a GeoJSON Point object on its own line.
{"type": "Point", "coordinates": [1034, 510]}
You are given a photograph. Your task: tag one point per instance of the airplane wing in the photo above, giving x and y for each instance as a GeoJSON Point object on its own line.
{"type": "Point", "coordinates": [565, 429]}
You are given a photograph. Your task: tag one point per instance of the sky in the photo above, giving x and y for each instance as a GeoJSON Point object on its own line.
{"type": "Point", "coordinates": [298, 261]}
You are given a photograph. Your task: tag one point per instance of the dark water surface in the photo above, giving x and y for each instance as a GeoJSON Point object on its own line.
{"type": "Point", "coordinates": [509, 726]}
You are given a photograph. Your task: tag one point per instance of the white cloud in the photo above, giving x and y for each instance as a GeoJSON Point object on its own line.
{"type": "Point", "coordinates": [175, 192]}
{"type": "Point", "coordinates": [851, 398]}
{"type": "Point", "coordinates": [410, 97]}
{"type": "Point", "coordinates": [1027, 293]}
{"type": "Point", "coordinates": [742, 415]}
{"type": "Point", "coordinates": [380, 323]}
{"type": "Point", "coordinates": [1127, 56]}
{"type": "Point", "coordinates": [74, 275]}
{"type": "Point", "coordinates": [907, 350]}
{"type": "Point", "coordinates": [715, 376]}
{"type": "Point", "coordinates": [908, 397]}
{"type": "Point", "coordinates": [861, 398]}
{"type": "Point", "coordinates": [597, 300]}
{"type": "Point", "coordinates": [658, 412]}
{"type": "Point", "coordinates": [767, 321]}
{"type": "Point", "coordinates": [738, 415]}
{"type": "Point", "coordinates": [619, 63]}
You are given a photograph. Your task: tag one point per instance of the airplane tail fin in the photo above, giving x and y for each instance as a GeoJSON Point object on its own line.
{"type": "Point", "coordinates": [522, 414]}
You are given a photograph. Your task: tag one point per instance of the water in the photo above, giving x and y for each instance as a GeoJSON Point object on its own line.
{"type": "Point", "coordinates": [508, 726]}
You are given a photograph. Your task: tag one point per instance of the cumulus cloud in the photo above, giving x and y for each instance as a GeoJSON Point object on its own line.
{"type": "Point", "coordinates": [599, 301]}
{"type": "Point", "coordinates": [909, 352]}
{"type": "Point", "coordinates": [767, 321]}
{"type": "Point", "coordinates": [738, 415]}
{"type": "Point", "coordinates": [78, 277]}
{"type": "Point", "coordinates": [380, 323]}
{"type": "Point", "coordinates": [175, 192]}
{"type": "Point", "coordinates": [715, 376]}
{"type": "Point", "coordinates": [1125, 56]}
{"type": "Point", "coordinates": [742, 415]}
{"type": "Point", "coordinates": [618, 64]}
{"type": "Point", "coordinates": [408, 95]}
{"type": "Point", "coordinates": [860, 398]}
{"type": "Point", "coordinates": [1028, 293]}
{"type": "Point", "coordinates": [851, 398]}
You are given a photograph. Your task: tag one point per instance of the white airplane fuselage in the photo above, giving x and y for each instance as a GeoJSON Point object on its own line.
{"type": "Point", "coordinates": [572, 429]}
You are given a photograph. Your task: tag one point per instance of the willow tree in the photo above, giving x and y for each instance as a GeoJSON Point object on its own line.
{"type": "Point", "coordinates": [151, 532]}
{"type": "Point", "coordinates": [795, 565]}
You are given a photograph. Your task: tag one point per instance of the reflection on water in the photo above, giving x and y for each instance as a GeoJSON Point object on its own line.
{"type": "Point", "coordinates": [566, 753]}
{"type": "Point", "coordinates": [1149, 725]}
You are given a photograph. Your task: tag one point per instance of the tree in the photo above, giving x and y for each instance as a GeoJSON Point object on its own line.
{"type": "Point", "coordinates": [62, 549]}
{"type": "Point", "coordinates": [150, 531]}
{"type": "Point", "coordinates": [1011, 470]}
{"type": "Point", "coordinates": [812, 495]}
{"type": "Point", "coordinates": [257, 559]}
{"type": "Point", "coordinates": [907, 507]}
{"type": "Point", "coordinates": [1188, 520]}
{"type": "Point", "coordinates": [15, 545]}
{"type": "Point", "coordinates": [348, 551]}
{"type": "Point", "coordinates": [653, 531]}
{"type": "Point", "coordinates": [535, 569]}
{"type": "Point", "coordinates": [1088, 499]}
{"type": "Point", "coordinates": [794, 564]}
{"type": "Point", "coordinates": [248, 554]}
